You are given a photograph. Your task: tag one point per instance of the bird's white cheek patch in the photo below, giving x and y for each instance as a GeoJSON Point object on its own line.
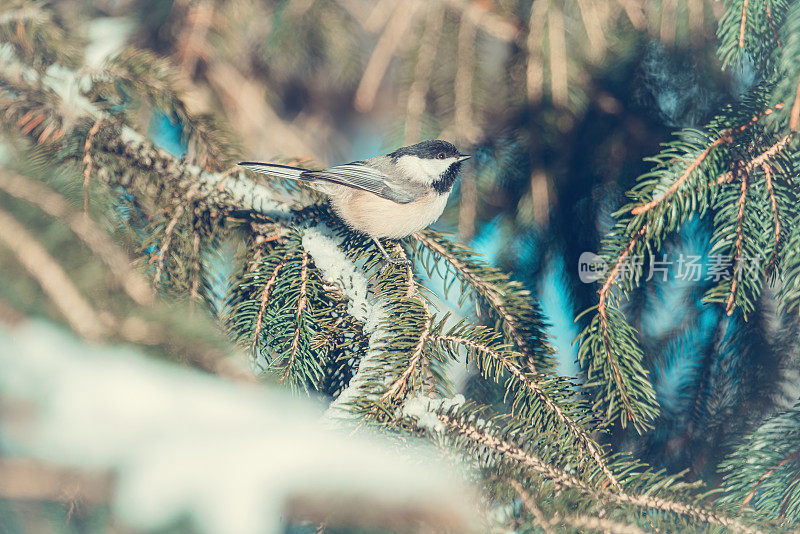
{"type": "Point", "coordinates": [424, 170]}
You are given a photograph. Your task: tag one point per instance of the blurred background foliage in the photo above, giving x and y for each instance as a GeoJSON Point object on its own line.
{"type": "Point", "coordinates": [559, 101]}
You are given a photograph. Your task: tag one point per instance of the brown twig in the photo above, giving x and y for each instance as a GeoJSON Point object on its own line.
{"type": "Point", "coordinates": [760, 159]}
{"type": "Point", "coordinates": [580, 522]}
{"type": "Point", "coordinates": [165, 242]}
{"type": "Point", "coordinates": [593, 18]}
{"type": "Point", "coordinates": [265, 294]}
{"type": "Point", "coordinates": [794, 115]}
{"type": "Point", "coordinates": [527, 502]}
{"type": "Point", "coordinates": [725, 138]}
{"type": "Point", "coordinates": [737, 248]}
{"type": "Point", "coordinates": [51, 278]}
{"type": "Point", "coordinates": [465, 71]}
{"type": "Point", "coordinates": [775, 213]}
{"type": "Point", "coordinates": [669, 21]}
{"type": "Point", "coordinates": [559, 80]}
{"type": "Point", "coordinates": [744, 22]}
{"type": "Point", "coordinates": [88, 162]}
{"type": "Point", "coordinates": [191, 41]}
{"type": "Point", "coordinates": [635, 12]}
{"type": "Point", "coordinates": [301, 305]}
{"type": "Point", "coordinates": [772, 24]}
{"type": "Point", "coordinates": [534, 70]}
{"type": "Point", "coordinates": [194, 291]}
{"type": "Point", "coordinates": [495, 25]}
{"type": "Point", "coordinates": [602, 310]}
{"type": "Point", "coordinates": [794, 456]}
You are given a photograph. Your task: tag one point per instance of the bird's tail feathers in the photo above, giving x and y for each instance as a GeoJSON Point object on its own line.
{"type": "Point", "coordinates": [273, 169]}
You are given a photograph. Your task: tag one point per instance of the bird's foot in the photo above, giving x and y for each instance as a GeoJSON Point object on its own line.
{"type": "Point", "coordinates": [387, 261]}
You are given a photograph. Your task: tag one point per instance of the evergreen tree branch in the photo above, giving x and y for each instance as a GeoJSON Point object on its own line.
{"type": "Point", "coordinates": [498, 292]}
{"type": "Point", "coordinates": [581, 436]}
{"type": "Point", "coordinates": [514, 453]}
{"type": "Point", "coordinates": [265, 293]}
{"type": "Point", "coordinates": [418, 357]}
{"type": "Point", "coordinates": [301, 305]}
{"type": "Point", "coordinates": [737, 247]}
{"type": "Point", "coordinates": [762, 472]}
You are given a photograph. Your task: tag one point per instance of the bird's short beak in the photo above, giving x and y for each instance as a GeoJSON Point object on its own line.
{"type": "Point", "coordinates": [464, 157]}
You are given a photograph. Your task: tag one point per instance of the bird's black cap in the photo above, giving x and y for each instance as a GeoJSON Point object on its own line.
{"type": "Point", "coordinates": [427, 150]}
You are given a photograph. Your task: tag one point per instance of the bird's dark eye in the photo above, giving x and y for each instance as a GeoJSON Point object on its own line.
{"type": "Point", "coordinates": [440, 155]}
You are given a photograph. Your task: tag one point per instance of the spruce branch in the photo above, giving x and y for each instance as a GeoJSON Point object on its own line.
{"type": "Point", "coordinates": [581, 436]}
{"type": "Point", "coordinates": [523, 322]}
{"type": "Point", "coordinates": [737, 247]}
{"type": "Point", "coordinates": [508, 450]}
{"type": "Point", "coordinates": [580, 522]}
{"type": "Point", "coordinates": [764, 470]}
{"type": "Point", "coordinates": [265, 293]}
{"type": "Point", "coordinates": [301, 306]}
{"type": "Point", "coordinates": [417, 358]}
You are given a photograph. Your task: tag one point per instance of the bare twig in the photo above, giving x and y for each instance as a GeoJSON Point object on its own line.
{"type": "Point", "coordinates": [87, 230]}
{"type": "Point", "coordinates": [51, 278]}
{"type": "Point", "coordinates": [534, 76]}
{"type": "Point", "coordinates": [593, 17]}
{"type": "Point", "coordinates": [382, 54]}
{"type": "Point", "coordinates": [491, 23]}
{"type": "Point", "coordinates": [426, 56]}
{"type": "Point", "coordinates": [669, 21]}
{"type": "Point", "coordinates": [558, 55]}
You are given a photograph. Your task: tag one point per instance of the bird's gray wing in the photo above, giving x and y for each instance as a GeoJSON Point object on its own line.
{"type": "Point", "coordinates": [368, 178]}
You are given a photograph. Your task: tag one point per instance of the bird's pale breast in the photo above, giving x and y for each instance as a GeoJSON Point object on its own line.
{"type": "Point", "coordinates": [379, 217]}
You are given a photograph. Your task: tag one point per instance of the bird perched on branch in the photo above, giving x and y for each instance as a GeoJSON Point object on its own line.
{"type": "Point", "coordinates": [389, 196]}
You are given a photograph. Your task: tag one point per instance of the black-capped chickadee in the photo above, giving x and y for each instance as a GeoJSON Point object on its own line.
{"type": "Point", "coordinates": [386, 196]}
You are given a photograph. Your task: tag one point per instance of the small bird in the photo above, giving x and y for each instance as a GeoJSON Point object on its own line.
{"type": "Point", "coordinates": [389, 196]}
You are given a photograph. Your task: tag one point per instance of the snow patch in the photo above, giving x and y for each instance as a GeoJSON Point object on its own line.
{"type": "Point", "coordinates": [324, 248]}
{"type": "Point", "coordinates": [425, 409]}
{"type": "Point", "coordinates": [185, 444]}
